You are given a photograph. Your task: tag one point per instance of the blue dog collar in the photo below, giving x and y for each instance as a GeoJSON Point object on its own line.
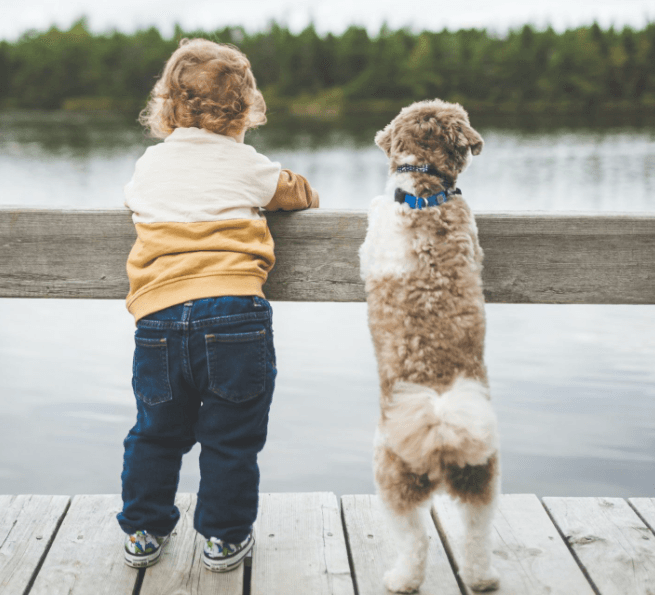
{"type": "Point", "coordinates": [418, 202]}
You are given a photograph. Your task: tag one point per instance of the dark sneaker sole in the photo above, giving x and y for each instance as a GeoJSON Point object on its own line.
{"type": "Point", "coordinates": [229, 563]}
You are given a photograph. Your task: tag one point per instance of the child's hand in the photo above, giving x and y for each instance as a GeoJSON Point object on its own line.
{"type": "Point", "coordinates": [315, 200]}
{"type": "Point", "coordinates": [293, 193]}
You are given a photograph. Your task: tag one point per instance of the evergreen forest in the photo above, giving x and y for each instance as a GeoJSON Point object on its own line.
{"type": "Point", "coordinates": [581, 70]}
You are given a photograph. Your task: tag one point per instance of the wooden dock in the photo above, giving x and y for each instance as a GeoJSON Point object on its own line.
{"type": "Point", "coordinates": [312, 544]}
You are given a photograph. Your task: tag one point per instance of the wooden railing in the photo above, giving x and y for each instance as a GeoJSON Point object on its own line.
{"type": "Point", "coordinates": [529, 258]}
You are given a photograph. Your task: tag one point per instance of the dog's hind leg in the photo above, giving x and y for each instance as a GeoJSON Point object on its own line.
{"type": "Point", "coordinates": [477, 571]}
{"type": "Point", "coordinates": [401, 494]}
{"type": "Point", "coordinates": [411, 541]}
{"type": "Point", "coordinates": [476, 487]}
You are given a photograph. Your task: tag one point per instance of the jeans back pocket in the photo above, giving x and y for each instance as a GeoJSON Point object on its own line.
{"type": "Point", "coordinates": [150, 379]}
{"type": "Point", "coordinates": [237, 365]}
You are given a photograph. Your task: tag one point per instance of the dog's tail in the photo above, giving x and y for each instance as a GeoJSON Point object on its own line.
{"type": "Point", "coordinates": [459, 425]}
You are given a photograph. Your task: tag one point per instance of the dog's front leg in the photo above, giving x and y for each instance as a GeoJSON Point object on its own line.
{"type": "Point", "coordinates": [411, 541]}
{"type": "Point", "coordinates": [477, 571]}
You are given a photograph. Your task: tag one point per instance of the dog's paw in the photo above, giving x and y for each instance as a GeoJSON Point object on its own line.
{"type": "Point", "coordinates": [488, 580]}
{"type": "Point", "coordinates": [398, 581]}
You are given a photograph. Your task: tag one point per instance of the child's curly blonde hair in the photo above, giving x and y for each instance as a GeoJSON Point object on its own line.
{"type": "Point", "coordinates": [204, 85]}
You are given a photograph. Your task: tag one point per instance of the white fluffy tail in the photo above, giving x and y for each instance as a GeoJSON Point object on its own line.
{"type": "Point", "coordinates": [458, 425]}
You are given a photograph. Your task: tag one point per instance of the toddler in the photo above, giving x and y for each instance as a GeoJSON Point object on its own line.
{"type": "Point", "coordinates": [204, 362]}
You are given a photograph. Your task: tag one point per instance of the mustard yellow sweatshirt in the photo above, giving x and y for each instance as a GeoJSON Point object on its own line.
{"type": "Point", "coordinates": [196, 203]}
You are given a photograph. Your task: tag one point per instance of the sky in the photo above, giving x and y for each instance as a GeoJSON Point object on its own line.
{"type": "Point", "coordinates": [17, 17]}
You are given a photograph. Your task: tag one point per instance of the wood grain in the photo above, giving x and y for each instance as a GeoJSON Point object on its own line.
{"type": "Point", "coordinates": [87, 553]}
{"type": "Point", "coordinates": [645, 508]}
{"type": "Point", "coordinates": [180, 570]}
{"type": "Point", "coordinates": [615, 547]}
{"type": "Point", "coordinates": [529, 258]}
{"type": "Point", "coordinates": [300, 546]}
{"type": "Point", "coordinates": [528, 552]}
{"type": "Point", "coordinates": [27, 527]}
{"type": "Point", "coordinates": [373, 552]}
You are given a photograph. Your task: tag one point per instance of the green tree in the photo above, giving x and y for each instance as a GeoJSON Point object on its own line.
{"type": "Point", "coordinates": [582, 67]}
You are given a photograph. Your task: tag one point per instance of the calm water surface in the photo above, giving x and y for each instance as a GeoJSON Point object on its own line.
{"type": "Point", "coordinates": [573, 386]}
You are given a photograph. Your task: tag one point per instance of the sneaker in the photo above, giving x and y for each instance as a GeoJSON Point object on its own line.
{"type": "Point", "coordinates": [143, 549]}
{"type": "Point", "coordinates": [221, 556]}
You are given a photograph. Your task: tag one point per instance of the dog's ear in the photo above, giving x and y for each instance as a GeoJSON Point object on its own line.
{"type": "Point", "coordinates": [468, 137]}
{"type": "Point", "coordinates": [383, 139]}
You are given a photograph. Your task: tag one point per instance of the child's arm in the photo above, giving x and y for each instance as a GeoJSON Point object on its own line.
{"type": "Point", "coordinates": [293, 193]}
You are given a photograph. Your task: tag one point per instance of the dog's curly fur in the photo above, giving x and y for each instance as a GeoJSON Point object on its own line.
{"type": "Point", "coordinates": [422, 270]}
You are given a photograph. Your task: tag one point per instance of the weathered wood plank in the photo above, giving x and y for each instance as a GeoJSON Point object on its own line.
{"type": "Point", "coordinates": [180, 570]}
{"type": "Point", "coordinates": [87, 553]}
{"type": "Point", "coordinates": [64, 253]}
{"type": "Point", "coordinates": [645, 508]}
{"type": "Point", "coordinates": [616, 549]}
{"type": "Point", "coordinates": [529, 258]}
{"type": "Point", "coordinates": [316, 256]}
{"type": "Point", "coordinates": [27, 527]}
{"type": "Point", "coordinates": [300, 546]}
{"type": "Point", "coordinates": [568, 258]}
{"type": "Point", "coordinates": [372, 550]}
{"type": "Point", "coordinates": [528, 552]}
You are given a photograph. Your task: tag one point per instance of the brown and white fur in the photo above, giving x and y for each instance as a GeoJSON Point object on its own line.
{"type": "Point", "coordinates": [437, 430]}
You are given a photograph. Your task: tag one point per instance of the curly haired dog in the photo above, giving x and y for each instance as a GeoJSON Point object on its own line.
{"type": "Point", "coordinates": [421, 262]}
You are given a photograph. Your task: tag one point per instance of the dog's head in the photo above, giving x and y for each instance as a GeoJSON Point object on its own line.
{"type": "Point", "coordinates": [435, 133]}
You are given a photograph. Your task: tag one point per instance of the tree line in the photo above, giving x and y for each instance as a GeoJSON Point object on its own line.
{"type": "Point", "coordinates": [582, 68]}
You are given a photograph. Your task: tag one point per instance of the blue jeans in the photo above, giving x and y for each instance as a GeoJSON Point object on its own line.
{"type": "Point", "coordinates": [204, 371]}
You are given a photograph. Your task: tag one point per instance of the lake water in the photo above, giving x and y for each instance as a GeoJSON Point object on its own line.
{"type": "Point", "coordinates": [573, 386]}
